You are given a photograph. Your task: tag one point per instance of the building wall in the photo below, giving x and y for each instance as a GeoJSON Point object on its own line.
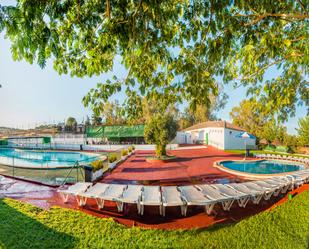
{"type": "Point", "coordinates": [219, 137]}
{"type": "Point", "coordinates": [232, 142]}
{"type": "Point", "coordinates": [216, 137]}
{"type": "Point", "coordinates": [69, 138]}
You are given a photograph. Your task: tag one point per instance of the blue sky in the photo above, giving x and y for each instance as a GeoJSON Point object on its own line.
{"type": "Point", "coordinates": [31, 96]}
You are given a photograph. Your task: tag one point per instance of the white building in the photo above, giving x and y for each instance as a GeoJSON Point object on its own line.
{"type": "Point", "coordinates": [220, 134]}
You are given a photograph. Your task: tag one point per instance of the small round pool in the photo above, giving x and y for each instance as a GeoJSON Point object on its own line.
{"type": "Point", "coordinates": [263, 166]}
{"type": "Point", "coordinates": [35, 159]}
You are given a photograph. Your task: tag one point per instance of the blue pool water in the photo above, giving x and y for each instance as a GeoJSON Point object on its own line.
{"type": "Point", "coordinates": [28, 158]}
{"type": "Point", "coordinates": [263, 166]}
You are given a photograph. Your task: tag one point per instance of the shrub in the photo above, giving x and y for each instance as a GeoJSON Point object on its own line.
{"type": "Point", "coordinates": [284, 149]}
{"type": "Point", "coordinates": [270, 147]}
{"type": "Point", "coordinates": [160, 130]}
{"type": "Point", "coordinates": [112, 158]}
{"type": "Point", "coordinates": [133, 147]}
{"type": "Point", "coordinates": [97, 165]}
{"type": "Point", "coordinates": [130, 149]}
{"type": "Point", "coordinates": [124, 152]}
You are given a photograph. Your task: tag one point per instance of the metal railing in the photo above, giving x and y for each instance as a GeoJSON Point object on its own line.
{"type": "Point", "coordinates": [44, 172]}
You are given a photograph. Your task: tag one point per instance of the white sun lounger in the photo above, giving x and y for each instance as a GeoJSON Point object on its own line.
{"type": "Point", "coordinates": [235, 195]}
{"type": "Point", "coordinates": [92, 192]}
{"type": "Point", "coordinates": [194, 197]}
{"type": "Point", "coordinates": [112, 193]}
{"type": "Point", "coordinates": [262, 187]}
{"type": "Point", "coordinates": [285, 182]}
{"type": "Point", "coordinates": [74, 190]}
{"type": "Point", "coordinates": [171, 197]}
{"type": "Point", "coordinates": [151, 196]}
{"type": "Point", "coordinates": [226, 198]}
{"type": "Point", "coordinates": [271, 188]}
{"type": "Point", "coordinates": [300, 178]}
{"type": "Point", "coordinates": [255, 195]}
{"type": "Point", "coordinates": [130, 195]}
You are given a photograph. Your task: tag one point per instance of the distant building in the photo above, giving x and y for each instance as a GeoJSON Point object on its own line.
{"type": "Point", "coordinates": [80, 128]}
{"type": "Point", "coordinates": [61, 127]}
{"type": "Point", "coordinates": [220, 134]}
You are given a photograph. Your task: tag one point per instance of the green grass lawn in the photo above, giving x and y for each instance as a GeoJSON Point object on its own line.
{"type": "Point", "coordinates": [25, 226]}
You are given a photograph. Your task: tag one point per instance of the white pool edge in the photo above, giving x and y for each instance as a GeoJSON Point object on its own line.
{"type": "Point", "coordinates": [250, 176]}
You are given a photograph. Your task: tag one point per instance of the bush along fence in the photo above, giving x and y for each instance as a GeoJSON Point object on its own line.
{"type": "Point", "coordinates": [96, 169]}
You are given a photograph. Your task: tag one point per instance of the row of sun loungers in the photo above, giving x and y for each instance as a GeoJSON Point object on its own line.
{"type": "Point", "coordinates": [275, 156]}
{"type": "Point", "coordinates": [206, 195]}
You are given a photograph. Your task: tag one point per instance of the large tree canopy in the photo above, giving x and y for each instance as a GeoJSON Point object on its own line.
{"type": "Point", "coordinates": [173, 49]}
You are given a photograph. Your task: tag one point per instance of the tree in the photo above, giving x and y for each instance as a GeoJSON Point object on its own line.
{"type": "Point", "coordinates": [71, 124]}
{"type": "Point", "coordinates": [250, 117]}
{"type": "Point", "coordinates": [303, 131]}
{"type": "Point", "coordinates": [96, 120]}
{"type": "Point", "coordinates": [160, 130]}
{"type": "Point", "coordinates": [112, 113]}
{"type": "Point", "coordinates": [202, 113]}
{"type": "Point", "coordinates": [291, 141]}
{"type": "Point", "coordinates": [270, 131]}
{"type": "Point", "coordinates": [173, 50]}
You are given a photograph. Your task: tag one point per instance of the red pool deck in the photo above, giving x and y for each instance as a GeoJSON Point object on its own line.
{"type": "Point", "coordinates": [192, 166]}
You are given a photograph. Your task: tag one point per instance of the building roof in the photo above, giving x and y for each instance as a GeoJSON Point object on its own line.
{"type": "Point", "coordinates": [210, 124]}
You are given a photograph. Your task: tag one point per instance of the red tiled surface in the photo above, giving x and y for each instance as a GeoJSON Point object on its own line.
{"type": "Point", "coordinates": [191, 166]}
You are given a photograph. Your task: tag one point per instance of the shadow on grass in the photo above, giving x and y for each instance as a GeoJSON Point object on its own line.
{"type": "Point", "coordinates": [20, 230]}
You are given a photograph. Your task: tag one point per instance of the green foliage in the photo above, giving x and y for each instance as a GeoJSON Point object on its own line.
{"type": "Point", "coordinates": [303, 131]}
{"type": "Point", "coordinates": [284, 149]}
{"type": "Point", "coordinates": [112, 158]}
{"type": "Point", "coordinates": [285, 226]}
{"type": "Point", "coordinates": [70, 124]}
{"type": "Point", "coordinates": [172, 50]}
{"type": "Point", "coordinates": [97, 165]}
{"type": "Point", "coordinates": [203, 112]}
{"type": "Point", "coordinates": [291, 141]}
{"type": "Point", "coordinates": [269, 131]}
{"type": "Point", "coordinates": [270, 148]}
{"type": "Point", "coordinates": [112, 113]}
{"type": "Point", "coordinates": [124, 152]}
{"type": "Point", "coordinates": [96, 120]}
{"type": "Point", "coordinates": [160, 130]}
{"type": "Point", "coordinates": [252, 117]}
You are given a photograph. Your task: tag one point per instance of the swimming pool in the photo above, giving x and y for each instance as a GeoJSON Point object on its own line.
{"type": "Point", "coordinates": [263, 166]}
{"type": "Point", "coordinates": [36, 159]}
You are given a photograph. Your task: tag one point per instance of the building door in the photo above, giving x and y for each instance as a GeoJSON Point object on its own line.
{"type": "Point", "coordinates": [206, 138]}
